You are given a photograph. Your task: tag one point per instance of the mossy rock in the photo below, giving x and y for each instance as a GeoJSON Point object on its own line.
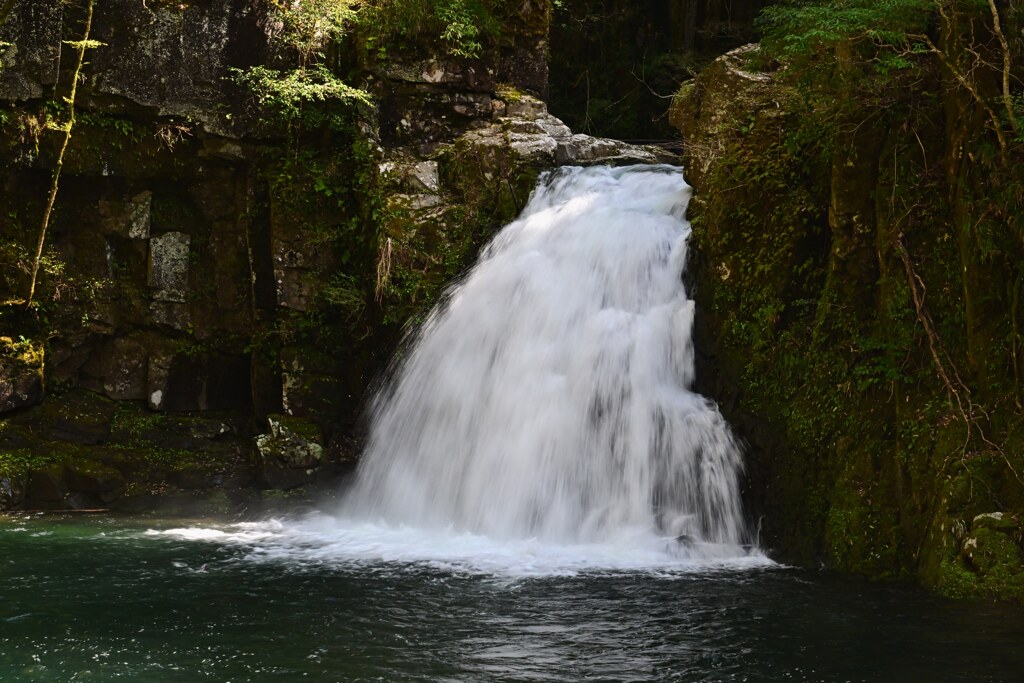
{"type": "Point", "coordinates": [21, 374]}
{"type": "Point", "coordinates": [997, 521]}
{"type": "Point", "coordinates": [990, 564]}
{"type": "Point", "coordinates": [993, 552]}
{"type": "Point", "coordinates": [290, 454]}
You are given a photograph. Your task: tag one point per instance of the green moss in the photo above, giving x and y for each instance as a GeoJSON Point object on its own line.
{"type": "Point", "coordinates": [864, 460]}
{"type": "Point", "coordinates": [509, 93]}
{"type": "Point", "coordinates": [131, 422]}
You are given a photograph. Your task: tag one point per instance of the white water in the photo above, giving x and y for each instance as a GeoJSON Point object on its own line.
{"type": "Point", "coordinates": [548, 397]}
{"type": "Point", "coordinates": [319, 540]}
{"type": "Point", "coordinates": [541, 422]}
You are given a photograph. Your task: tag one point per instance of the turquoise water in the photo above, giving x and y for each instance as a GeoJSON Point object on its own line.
{"type": "Point", "coordinates": [106, 598]}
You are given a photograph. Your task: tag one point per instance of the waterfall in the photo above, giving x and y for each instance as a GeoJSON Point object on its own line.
{"type": "Point", "coordinates": [548, 395]}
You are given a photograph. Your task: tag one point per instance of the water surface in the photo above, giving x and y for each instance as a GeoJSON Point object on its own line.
{"type": "Point", "coordinates": [106, 598]}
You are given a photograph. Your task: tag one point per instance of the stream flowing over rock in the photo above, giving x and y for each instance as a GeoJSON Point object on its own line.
{"type": "Point", "coordinates": [548, 394]}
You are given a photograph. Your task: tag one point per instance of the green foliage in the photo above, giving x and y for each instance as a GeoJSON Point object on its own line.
{"type": "Point", "coordinates": [306, 29]}
{"type": "Point", "coordinates": [18, 462]}
{"type": "Point", "coordinates": [285, 92]}
{"type": "Point", "coordinates": [459, 24]}
{"type": "Point", "coordinates": [309, 26]}
{"type": "Point", "coordinates": [799, 29]}
{"type": "Point", "coordinates": [347, 293]}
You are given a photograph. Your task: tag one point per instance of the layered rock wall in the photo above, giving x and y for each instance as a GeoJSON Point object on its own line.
{"type": "Point", "coordinates": [206, 261]}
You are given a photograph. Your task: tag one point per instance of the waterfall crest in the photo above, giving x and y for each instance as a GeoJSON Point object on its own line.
{"type": "Point", "coordinates": [548, 396]}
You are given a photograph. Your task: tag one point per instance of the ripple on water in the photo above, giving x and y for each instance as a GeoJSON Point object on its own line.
{"type": "Point", "coordinates": [275, 600]}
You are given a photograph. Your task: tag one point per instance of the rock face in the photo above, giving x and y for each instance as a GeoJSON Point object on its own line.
{"type": "Point", "coordinates": [203, 257]}
{"type": "Point", "coordinates": [823, 310]}
{"type": "Point", "coordinates": [170, 58]}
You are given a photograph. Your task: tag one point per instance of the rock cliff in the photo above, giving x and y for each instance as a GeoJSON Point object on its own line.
{"type": "Point", "coordinates": [835, 282]}
{"type": "Point", "coordinates": [208, 265]}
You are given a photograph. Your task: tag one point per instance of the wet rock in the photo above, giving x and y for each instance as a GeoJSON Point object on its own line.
{"type": "Point", "coordinates": [131, 218]}
{"type": "Point", "coordinates": [471, 76]}
{"type": "Point", "coordinates": [173, 314]}
{"type": "Point", "coordinates": [30, 61]}
{"type": "Point", "coordinates": [12, 491]}
{"type": "Point", "coordinates": [289, 455]}
{"type": "Point", "coordinates": [310, 384]}
{"type": "Point", "coordinates": [195, 479]}
{"type": "Point", "coordinates": [81, 417]}
{"type": "Point", "coordinates": [535, 137]}
{"type": "Point", "coordinates": [412, 175]}
{"type": "Point", "coordinates": [81, 500]}
{"type": "Point", "coordinates": [183, 69]}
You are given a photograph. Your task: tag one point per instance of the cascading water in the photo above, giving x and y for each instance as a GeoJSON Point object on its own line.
{"type": "Point", "coordinates": [548, 396]}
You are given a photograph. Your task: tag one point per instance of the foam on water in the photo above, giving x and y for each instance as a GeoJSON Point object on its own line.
{"type": "Point", "coordinates": [319, 540]}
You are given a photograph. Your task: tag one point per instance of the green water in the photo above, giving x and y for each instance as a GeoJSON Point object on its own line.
{"type": "Point", "coordinates": [100, 599]}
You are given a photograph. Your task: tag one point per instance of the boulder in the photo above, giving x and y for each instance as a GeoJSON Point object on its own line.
{"type": "Point", "coordinates": [290, 453]}
{"type": "Point", "coordinates": [999, 521]}
{"type": "Point", "coordinates": [537, 138]}
{"type": "Point", "coordinates": [989, 551]}
{"type": "Point", "coordinates": [707, 109]}
{"type": "Point", "coordinates": [12, 491]}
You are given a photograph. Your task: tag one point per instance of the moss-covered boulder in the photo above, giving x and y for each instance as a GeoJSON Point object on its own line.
{"type": "Point", "coordinates": [290, 453]}
{"type": "Point", "coordinates": [21, 374]}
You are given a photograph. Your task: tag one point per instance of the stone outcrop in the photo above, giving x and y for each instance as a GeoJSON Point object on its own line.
{"type": "Point", "coordinates": [819, 309]}
{"type": "Point", "coordinates": [171, 59]}
{"type": "Point", "coordinates": [289, 454]}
